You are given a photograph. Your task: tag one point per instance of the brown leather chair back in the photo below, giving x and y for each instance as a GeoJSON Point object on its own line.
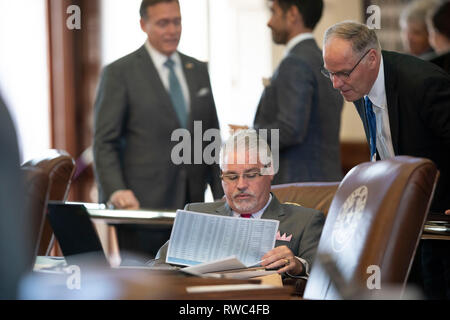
{"type": "Point", "coordinates": [59, 167]}
{"type": "Point", "coordinates": [316, 195]}
{"type": "Point", "coordinates": [375, 221]}
{"type": "Point", "coordinates": [36, 197]}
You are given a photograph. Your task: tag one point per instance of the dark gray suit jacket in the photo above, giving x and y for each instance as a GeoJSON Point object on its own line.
{"type": "Point", "coordinates": [15, 250]}
{"type": "Point", "coordinates": [304, 224]}
{"type": "Point", "coordinates": [302, 103]}
{"type": "Point", "coordinates": [134, 121]}
{"type": "Point", "coordinates": [418, 99]}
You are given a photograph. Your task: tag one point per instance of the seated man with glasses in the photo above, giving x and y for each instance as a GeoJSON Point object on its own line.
{"type": "Point", "coordinates": [247, 172]}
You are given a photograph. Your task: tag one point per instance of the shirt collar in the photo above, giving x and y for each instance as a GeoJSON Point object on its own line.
{"type": "Point", "coordinates": [258, 214]}
{"type": "Point", "coordinates": [158, 58]}
{"type": "Point", "coordinates": [296, 40]}
{"type": "Point", "coordinates": [378, 92]}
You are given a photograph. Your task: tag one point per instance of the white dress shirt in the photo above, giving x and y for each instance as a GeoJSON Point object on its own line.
{"type": "Point", "coordinates": [296, 40]}
{"type": "Point", "coordinates": [378, 97]}
{"type": "Point", "coordinates": [158, 60]}
{"type": "Point", "coordinates": [256, 215]}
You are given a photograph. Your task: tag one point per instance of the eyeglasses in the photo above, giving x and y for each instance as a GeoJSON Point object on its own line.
{"type": "Point", "coordinates": [343, 75]}
{"type": "Point", "coordinates": [234, 177]}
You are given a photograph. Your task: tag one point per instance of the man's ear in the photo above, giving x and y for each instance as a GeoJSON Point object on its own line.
{"type": "Point", "coordinates": [373, 58]}
{"type": "Point", "coordinates": [293, 15]}
{"type": "Point", "coordinates": [143, 25]}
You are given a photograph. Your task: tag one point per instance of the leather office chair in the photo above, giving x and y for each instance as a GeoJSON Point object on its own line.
{"type": "Point", "coordinates": [316, 195]}
{"type": "Point", "coordinates": [59, 167]}
{"type": "Point", "coordinates": [36, 191]}
{"type": "Point", "coordinates": [375, 221]}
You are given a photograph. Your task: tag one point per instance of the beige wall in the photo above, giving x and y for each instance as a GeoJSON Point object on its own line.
{"type": "Point", "coordinates": [336, 11]}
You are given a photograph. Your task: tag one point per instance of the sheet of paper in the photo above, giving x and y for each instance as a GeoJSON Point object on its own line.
{"type": "Point", "coordinates": [198, 237]}
{"type": "Point", "coordinates": [244, 274]}
{"type": "Point", "coordinates": [229, 263]}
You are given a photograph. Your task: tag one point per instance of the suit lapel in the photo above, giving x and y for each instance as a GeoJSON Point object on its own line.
{"type": "Point", "coordinates": [224, 210]}
{"type": "Point", "coordinates": [149, 72]}
{"type": "Point", "coordinates": [274, 210]}
{"type": "Point", "coordinates": [392, 100]}
{"type": "Point", "coordinates": [359, 104]}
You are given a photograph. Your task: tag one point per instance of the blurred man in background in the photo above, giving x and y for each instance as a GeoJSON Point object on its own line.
{"type": "Point", "coordinates": [439, 34]}
{"type": "Point", "coordinates": [299, 101]}
{"type": "Point", "coordinates": [413, 27]}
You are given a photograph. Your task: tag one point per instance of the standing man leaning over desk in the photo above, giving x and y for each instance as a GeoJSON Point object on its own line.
{"type": "Point", "coordinates": [142, 98]}
{"type": "Point", "coordinates": [404, 104]}
{"type": "Point", "coordinates": [247, 195]}
{"type": "Point", "coordinates": [299, 101]}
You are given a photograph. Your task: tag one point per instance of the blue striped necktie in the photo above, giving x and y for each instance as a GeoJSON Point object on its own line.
{"type": "Point", "coordinates": [176, 93]}
{"type": "Point", "coordinates": [372, 127]}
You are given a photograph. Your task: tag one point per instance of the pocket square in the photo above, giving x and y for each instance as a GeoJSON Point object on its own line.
{"type": "Point", "coordinates": [202, 92]}
{"type": "Point", "coordinates": [283, 237]}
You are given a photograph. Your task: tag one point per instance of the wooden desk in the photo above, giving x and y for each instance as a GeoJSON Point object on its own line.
{"type": "Point", "coordinates": [140, 284]}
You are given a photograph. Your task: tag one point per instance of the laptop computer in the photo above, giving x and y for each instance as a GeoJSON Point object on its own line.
{"type": "Point", "coordinates": [76, 234]}
{"type": "Point", "coordinates": [78, 238]}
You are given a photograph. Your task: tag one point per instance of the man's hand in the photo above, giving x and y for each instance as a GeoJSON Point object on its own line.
{"type": "Point", "coordinates": [124, 199]}
{"type": "Point", "coordinates": [283, 258]}
{"type": "Point", "coordinates": [447, 212]}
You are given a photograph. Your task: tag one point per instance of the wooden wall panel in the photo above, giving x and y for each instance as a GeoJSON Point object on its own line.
{"type": "Point", "coordinates": [74, 62]}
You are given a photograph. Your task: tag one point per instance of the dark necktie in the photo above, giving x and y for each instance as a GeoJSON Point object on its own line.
{"type": "Point", "coordinates": [176, 94]}
{"type": "Point", "coordinates": [246, 215]}
{"type": "Point", "coordinates": [372, 127]}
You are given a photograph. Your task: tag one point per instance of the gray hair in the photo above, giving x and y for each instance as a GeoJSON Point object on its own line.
{"type": "Point", "coordinates": [243, 141]}
{"type": "Point", "coordinates": [417, 11]}
{"type": "Point", "coordinates": [361, 37]}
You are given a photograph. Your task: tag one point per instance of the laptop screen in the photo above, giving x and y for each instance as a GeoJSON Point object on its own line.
{"type": "Point", "coordinates": [76, 234]}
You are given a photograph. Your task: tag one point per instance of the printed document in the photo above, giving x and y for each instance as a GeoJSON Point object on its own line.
{"type": "Point", "coordinates": [199, 238]}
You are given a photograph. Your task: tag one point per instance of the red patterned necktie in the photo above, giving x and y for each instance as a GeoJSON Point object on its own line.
{"type": "Point", "coordinates": [246, 215]}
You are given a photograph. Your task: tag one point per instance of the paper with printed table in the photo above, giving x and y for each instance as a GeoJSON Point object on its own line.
{"type": "Point", "coordinates": [211, 243]}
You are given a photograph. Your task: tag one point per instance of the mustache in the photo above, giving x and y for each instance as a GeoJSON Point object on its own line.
{"type": "Point", "coordinates": [238, 193]}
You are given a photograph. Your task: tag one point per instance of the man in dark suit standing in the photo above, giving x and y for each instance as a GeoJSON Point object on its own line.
{"type": "Point", "coordinates": [438, 23]}
{"type": "Point", "coordinates": [404, 103]}
{"type": "Point", "coordinates": [142, 99]}
{"type": "Point", "coordinates": [299, 101]}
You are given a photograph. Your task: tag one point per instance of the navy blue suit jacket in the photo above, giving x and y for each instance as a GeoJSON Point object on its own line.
{"type": "Point", "coordinates": [303, 105]}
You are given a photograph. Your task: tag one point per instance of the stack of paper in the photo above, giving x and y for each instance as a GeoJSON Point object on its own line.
{"type": "Point", "coordinates": [210, 243]}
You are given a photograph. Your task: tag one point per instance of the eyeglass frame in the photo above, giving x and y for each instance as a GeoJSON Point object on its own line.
{"type": "Point", "coordinates": [245, 175]}
{"type": "Point", "coordinates": [342, 74]}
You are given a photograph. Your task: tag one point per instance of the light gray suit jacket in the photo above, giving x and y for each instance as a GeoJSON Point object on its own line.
{"type": "Point", "coordinates": [303, 105]}
{"type": "Point", "coordinates": [304, 224]}
{"type": "Point", "coordinates": [134, 121]}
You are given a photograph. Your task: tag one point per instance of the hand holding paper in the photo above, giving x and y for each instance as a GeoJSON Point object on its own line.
{"type": "Point", "coordinates": [198, 238]}
{"type": "Point", "coordinates": [282, 259]}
